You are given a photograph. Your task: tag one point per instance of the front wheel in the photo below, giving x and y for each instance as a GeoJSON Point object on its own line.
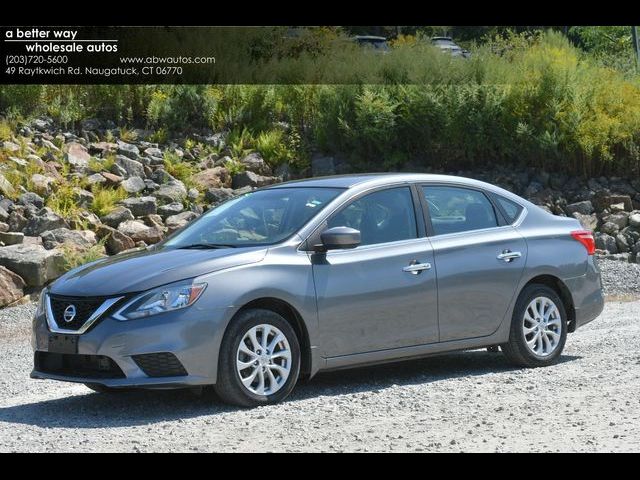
{"type": "Point", "coordinates": [259, 359]}
{"type": "Point", "coordinates": [538, 328]}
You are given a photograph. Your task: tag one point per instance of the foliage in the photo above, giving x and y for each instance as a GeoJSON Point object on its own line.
{"type": "Point", "coordinates": [105, 199]}
{"type": "Point", "coordinates": [74, 257]}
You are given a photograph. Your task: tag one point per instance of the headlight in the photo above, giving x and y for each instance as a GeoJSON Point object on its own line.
{"type": "Point", "coordinates": [160, 300]}
{"type": "Point", "coordinates": [40, 308]}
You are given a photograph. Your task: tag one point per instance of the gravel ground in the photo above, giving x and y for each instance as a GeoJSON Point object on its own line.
{"type": "Point", "coordinates": [472, 401]}
{"type": "Point", "coordinates": [619, 278]}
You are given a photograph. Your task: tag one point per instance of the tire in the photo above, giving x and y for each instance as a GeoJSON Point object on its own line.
{"type": "Point", "coordinates": [230, 387]}
{"type": "Point", "coordinates": [99, 388]}
{"type": "Point", "coordinates": [540, 352]}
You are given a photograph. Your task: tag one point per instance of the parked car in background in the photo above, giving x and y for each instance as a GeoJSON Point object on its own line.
{"type": "Point", "coordinates": [323, 274]}
{"type": "Point", "coordinates": [378, 44]}
{"type": "Point", "coordinates": [447, 45]}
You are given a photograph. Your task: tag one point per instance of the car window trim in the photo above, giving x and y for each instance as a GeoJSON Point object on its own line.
{"type": "Point", "coordinates": [314, 237]}
{"type": "Point", "coordinates": [427, 214]}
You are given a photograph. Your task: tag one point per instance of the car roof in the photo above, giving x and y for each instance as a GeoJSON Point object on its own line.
{"type": "Point", "coordinates": [374, 179]}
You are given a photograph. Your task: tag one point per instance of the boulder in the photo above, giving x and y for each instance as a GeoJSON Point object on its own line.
{"type": "Point", "coordinates": [589, 222]}
{"type": "Point", "coordinates": [133, 184]}
{"type": "Point", "coordinates": [634, 220]}
{"type": "Point", "coordinates": [585, 208]}
{"type": "Point", "coordinates": [102, 147]}
{"type": "Point", "coordinates": [153, 152]}
{"type": "Point", "coordinates": [11, 238]}
{"type": "Point", "coordinates": [44, 220]}
{"type": "Point", "coordinates": [175, 222]}
{"type": "Point", "coordinates": [622, 243]}
{"type": "Point", "coordinates": [111, 178]}
{"type": "Point", "coordinates": [5, 187]}
{"type": "Point", "coordinates": [132, 168]}
{"type": "Point", "coordinates": [170, 209]}
{"type": "Point", "coordinates": [31, 198]}
{"type": "Point", "coordinates": [17, 221]}
{"type": "Point", "coordinates": [35, 264]}
{"type": "Point", "coordinates": [90, 124]}
{"type": "Point", "coordinates": [173, 191]}
{"type": "Point", "coordinates": [621, 220]}
{"type": "Point", "coordinates": [41, 183]}
{"type": "Point", "coordinates": [256, 164]}
{"type": "Point", "coordinates": [321, 166]}
{"type": "Point", "coordinates": [11, 287]}
{"type": "Point", "coordinates": [605, 242]}
{"type": "Point", "coordinates": [96, 178]}
{"type": "Point", "coordinates": [116, 241]}
{"type": "Point", "coordinates": [117, 216]}
{"type": "Point", "coordinates": [128, 150]}
{"type": "Point", "coordinates": [77, 156]}
{"type": "Point", "coordinates": [141, 206]}
{"type": "Point", "coordinates": [250, 179]}
{"type": "Point", "coordinates": [138, 231]}
{"type": "Point", "coordinates": [83, 239]}
{"type": "Point", "coordinates": [214, 196]}
{"type": "Point", "coordinates": [215, 177]}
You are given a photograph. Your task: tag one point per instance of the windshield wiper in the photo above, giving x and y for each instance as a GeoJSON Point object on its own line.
{"type": "Point", "coordinates": [207, 245]}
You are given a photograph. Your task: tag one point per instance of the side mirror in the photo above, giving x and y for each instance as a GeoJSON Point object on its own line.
{"type": "Point", "coordinates": [339, 238]}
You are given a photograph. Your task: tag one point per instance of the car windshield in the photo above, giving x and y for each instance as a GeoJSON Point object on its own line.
{"type": "Point", "coordinates": [262, 217]}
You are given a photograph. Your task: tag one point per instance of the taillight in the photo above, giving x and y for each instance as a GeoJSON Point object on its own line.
{"type": "Point", "coordinates": [585, 237]}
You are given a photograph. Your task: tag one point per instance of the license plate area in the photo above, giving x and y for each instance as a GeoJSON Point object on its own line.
{"type": "Point", "coordinates": [59, 343]}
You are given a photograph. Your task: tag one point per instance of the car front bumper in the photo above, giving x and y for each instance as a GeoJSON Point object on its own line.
{"type": "Point", "coordinates": [191, 337]}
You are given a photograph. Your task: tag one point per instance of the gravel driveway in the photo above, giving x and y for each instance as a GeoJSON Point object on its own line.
{"type": "Point", "coordinates": [470, 401]}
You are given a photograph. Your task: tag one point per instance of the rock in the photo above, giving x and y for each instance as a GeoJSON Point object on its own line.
{"type": "Point", "coordinates": [77, 156]}
{"type": "Point", "coordinates": [133, 184]}
{"type": "Point", "coordinates": [138, 231]}
{"type": "Point", "coordinates": [160, 176]}
{"type": "Point", "coordinates": [11, 287]}
{"type": "Point", "coordinates": [11, 238]}
{"type": "Point", "coordinates": [116, 241]}
{"type": "Point", "coordinates": [605, 242]}
{"type": "Point", "coordinates": [5, 187]}
{"type": "Point", "coordinates": [4, 227]}
{"type": "Point", "coordinates": [45, 220]}
{"type": "Point", "coordinates": [321, 166]}
{"type": "Point", "coordinates": [153, 152]}
{"type": "Point", "coordinates": [117, 216]}
{"type": "Point", "coordinates": [96, 179]}
{"type": "Point", "coordinates": [102, 147]}
{"type": "Point", "coordinates": [175, 222]}
{"type": "Point", "coordinates": [589, 222]}
{"type": "Point", "coordinates": [256, 164]}
{"type": "Point", "coordinates": [621, 220]}
{"type": "Point", "coordinates": [609, 228]}
{"type": "Point", "coordinates": [41, 183]}
{"type": "Point", "coordinates": [154, 220]}
{"type": "Point", "coordinates": [111, 178]}
{"type": "Point", "coordinates": [215, 177]}
{"type": "Point", "coordinates": [141, 206]}
{"type": "Point", "coordinates": [4, 215]}
{"type": "Point", "coordinates": [84, 197]}
{"type": "Point", "coordinates": [634, 220]}
{"type": "Point", "coordinates": [215, 196]}
{"type": "Point", "coordinates": [170, 209]}
{"type": "Point", "coordinates": [128, 150]}
{"type": "Point", "coordinates": [250, 179]}
{"type": "Point", "coordinates": [17, 221]}
{"type": "Point", "coordinates": [31, 198]}
{"type": "Point", "coordinates": [35, 264]}
{"type": "Point", "coordinates": [585, 208]}
{"type": "Point", "coordinates": [90, 124]}
{"type": "Point", "coordinates": [622, 243]}
{"type": "Point", "coordinates": [10, 147]}
{"type": "Point", "coordinates": [131, 167]}
{"type": "Point", "coordinates": [83, 239]}
{"type": "Point", "coordinates": [173, 191]}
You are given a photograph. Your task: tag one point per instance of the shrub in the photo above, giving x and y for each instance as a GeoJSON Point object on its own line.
{"type": "Point", "coordinates": [74, 257]}
{"type": "Point", "coordinates": [105, 199]}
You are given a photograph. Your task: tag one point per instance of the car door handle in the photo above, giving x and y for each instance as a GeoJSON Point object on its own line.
{"type": "Point", "coordinates": [508, 255]}
{"type": "Point", "coordinates": [416, 268]}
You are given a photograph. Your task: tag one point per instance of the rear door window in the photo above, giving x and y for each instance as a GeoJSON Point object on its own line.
{"type": "Point", "coordinates": [457, 209]}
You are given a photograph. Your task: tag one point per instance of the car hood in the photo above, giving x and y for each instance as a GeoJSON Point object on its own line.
{"type": "Point", "coordinates": [144, 269]}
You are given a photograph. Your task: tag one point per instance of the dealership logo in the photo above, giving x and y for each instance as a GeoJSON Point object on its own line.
{"type": "Point", "coordinates": [69, 313]}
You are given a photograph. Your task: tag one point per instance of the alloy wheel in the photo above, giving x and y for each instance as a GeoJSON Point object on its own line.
{"type": "Point", "coordinates": [263, 360]}
{"type": "Point", "coordinates": [542, 326]}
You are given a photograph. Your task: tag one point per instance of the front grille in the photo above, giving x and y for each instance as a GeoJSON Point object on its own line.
{"type": "Point", "coordinates": [75, 365]}
{"type": "Point", "coordinates": [85, 306]}
{"type": "Point", "coordinates": [163, 364]}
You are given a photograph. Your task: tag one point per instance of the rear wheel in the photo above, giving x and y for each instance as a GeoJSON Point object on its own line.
{"type": "Point", "coordinates": [259, 360]}
{"type": "Point", "coordinates": [538, 328]}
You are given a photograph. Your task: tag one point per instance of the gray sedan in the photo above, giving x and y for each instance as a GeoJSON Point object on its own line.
{"type": "Point", "coordinates": [323, 274]}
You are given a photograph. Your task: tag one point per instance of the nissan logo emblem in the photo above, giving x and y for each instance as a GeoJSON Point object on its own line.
{"type": "Point", "coordinates": [69, 313]}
